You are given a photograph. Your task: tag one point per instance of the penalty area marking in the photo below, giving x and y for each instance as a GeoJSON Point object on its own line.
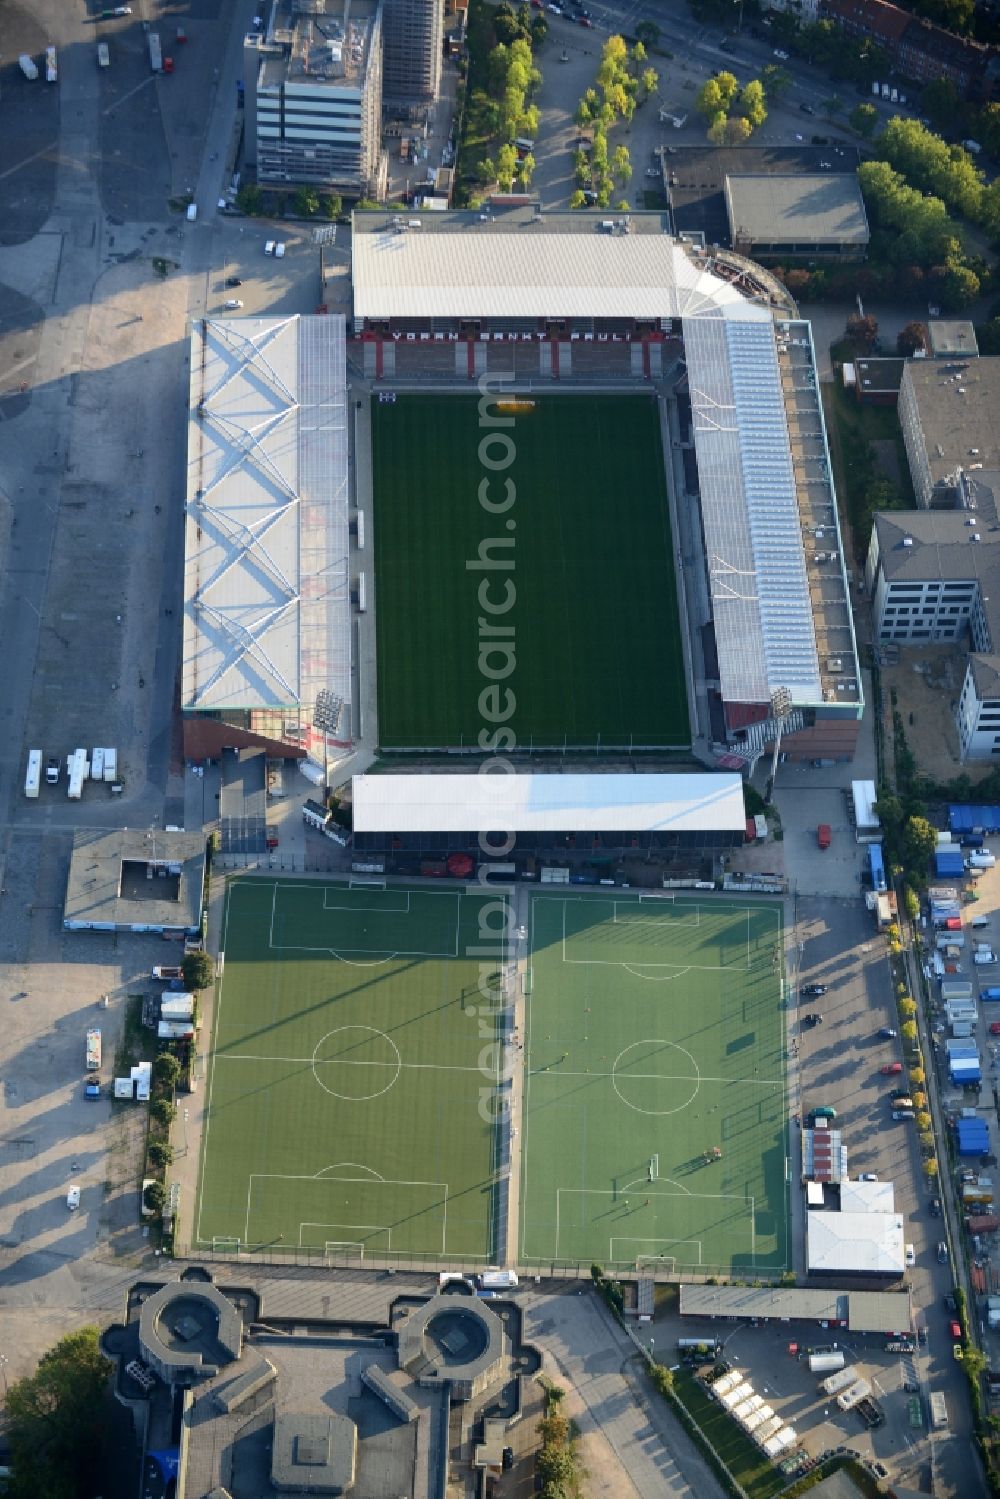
{"type": "Point", "coordinates": [378, 955]}
{"type": "Point", "coordinates": [291, 1176]}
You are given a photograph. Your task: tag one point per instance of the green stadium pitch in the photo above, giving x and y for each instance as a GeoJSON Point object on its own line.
{"type": "Point", "coordinates": [351, 1074]}
{"type": "Point", "coordinates": [581, 517]}
{"type": "Point", "coordinates": [655, 1116]}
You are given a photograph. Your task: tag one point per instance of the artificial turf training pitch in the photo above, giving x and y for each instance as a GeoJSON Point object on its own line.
{"type": "Point", "coordinates": [654, 1093]}
{"type": "Point", "coordinates": [352, 1075]}
{"type": "Point", "coordinates": [345, 1109]}
{"type": "Point", "coordinates": [595, 629]}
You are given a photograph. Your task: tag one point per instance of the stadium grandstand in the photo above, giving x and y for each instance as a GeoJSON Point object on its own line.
{"type": "Point", "coordinates": [267, 598]}
{"type": "Point", "coordinates": [560, 300]}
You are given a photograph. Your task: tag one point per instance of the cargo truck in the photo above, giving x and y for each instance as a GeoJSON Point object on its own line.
{"type": "Point", "coordinates": [76, 770]}
{"type": "Point", "coordinates": [93, 1050]}
{"type": "Point", "coordinates": [939, 1411]}
{"type": "Point", "coordinates": [103, 55]}
{"type": "Point", "coordinates": [27, 66]}
{"type": "Point", "coordinates": [497, 1280]}
{"type": "Point", "coordinates": [33, 778]}
{"type": "Point", "coordinates": [97, 765]}
{"type": "Point", "coordinates": [842, 1380]}
{"type": "Point", "coordinates": [110, 763]}
{"type": "Point", "coordinates": [155, 55]}
{"type": "Point", "coordinates": [824, 835]}
{"type": "Point", "coordinates": [826, 1363]}
{"type": "Point", "coordinates": [854, 1394]}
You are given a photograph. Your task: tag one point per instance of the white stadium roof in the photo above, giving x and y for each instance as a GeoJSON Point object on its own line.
{"type": "Point", "coordinates": [483, 272]}
{"type": "Point", "coordinates": [267, 611]}
{"type": "Point", "coordinates": [710, 802]}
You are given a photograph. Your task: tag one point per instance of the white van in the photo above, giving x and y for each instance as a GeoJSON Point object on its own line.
{"type": "Point", "coordinates": [269, 247]}
{"type": "Point", "coordinates": [279, 250]}
{"type": "Point", "coordinates": [982, 859]}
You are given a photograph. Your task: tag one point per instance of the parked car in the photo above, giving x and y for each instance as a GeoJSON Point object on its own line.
{"type": "Point", "coordinates": [955, 1330]}
{"type": "Point", "coordinates": [813, 1018]}
{"type": "Point", "coordinates": [910, 1255]}
{"type": "Point", "coordinates": [995, 1028]}
{"type": "Point", "coordinates": [812, 991]}
{"type": "Point", "coordinates": [233, 305]}
{"type": "Point", "coordinates": [73, 1198]}
{"type": "Point", "coordinates": [950, 1303]}
{"type": "Point", "coordinates": [942, 1253]}
{"type": "Point", "coordinates": [935, 1207]}
{"type": "Point", "coordinates": [891, 1069]}
{"type": "Point", "coordinates": [868, 1176]}
{"type": "Point", "coordinates": [234, 281]}
{"type": "Point", "coordinates": [888, 1034]}
{"type": "Point", "coordinates": [956, 1350]}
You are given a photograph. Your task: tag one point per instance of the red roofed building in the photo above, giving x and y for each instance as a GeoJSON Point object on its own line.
{"type": "Point", "coordinates": [918, 49]}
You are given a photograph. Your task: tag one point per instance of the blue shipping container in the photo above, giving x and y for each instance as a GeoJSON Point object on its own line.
{"type": "Point", "coordinates": [991, 993]}
{"type": "Point", "coordinates": [877, 867]}
{"type": "Point", "coordinates": [965, 819]}
{"type": "Point", "coordinates": [949, 862]}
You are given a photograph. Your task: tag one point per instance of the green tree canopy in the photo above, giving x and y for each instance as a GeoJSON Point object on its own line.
{"type": "Point", "coordinates": [919, 843]}
{"type": "Point", "coordinates": [863, 119]}
{"type": "Point", "coordinates": [753, 105]}
{"type": "Point", "coordinates": [198, 970]}
{"type": "Point", "coordinates": [166, 1071]}
{"type": "Point", "coordinates": [55, 1421]}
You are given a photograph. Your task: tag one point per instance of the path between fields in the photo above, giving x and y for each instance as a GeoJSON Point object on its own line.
{"type": "Point", "coordinates": [630, 1445]}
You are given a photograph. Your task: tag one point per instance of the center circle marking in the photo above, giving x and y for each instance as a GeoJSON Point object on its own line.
{"type": "Point", "coordinates": [363, 1030]}
{"type": "Point", "coordinates": [694, 1079]}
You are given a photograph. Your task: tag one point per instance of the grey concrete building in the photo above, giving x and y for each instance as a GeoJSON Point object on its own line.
{"type": "Point", "coordinates": [948, 410]}
{"type": "Point", "coordinates": [133, 880]}
{"type": "Point", "coordinates": [413, 34]}
{"type": "Point", "coordinates": [313, 96]}
{"type": "Point", "coordinates": [819, 215]}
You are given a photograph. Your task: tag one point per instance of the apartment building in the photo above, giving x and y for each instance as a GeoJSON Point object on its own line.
{"type": "Point", "coordinates": [919, 49]}
{"type": "Point", "coordinates": [413, 32]}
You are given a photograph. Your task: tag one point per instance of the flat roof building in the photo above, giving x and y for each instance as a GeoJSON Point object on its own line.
{"type": "Point", "coordinates": [313, 98]}
{"type": "Point", "coordinates": [952, 338]}
{"type": "Point", "coordinates": [820, 215]}
{"type": "Point", "coordinates": [267, 587]}
{"type": "Point", "coordinates": [860, 1311]}
{"type": "Point", "coordinates": [865, 1243]}
{"type": "Point", "coordinates": [134, 880]}
{"type": "Point", "coordinates": [948, 412]}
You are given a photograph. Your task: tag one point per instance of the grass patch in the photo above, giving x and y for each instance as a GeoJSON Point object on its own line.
{"type": "Point", "coordinates": [346, 1079]}
{"type": "Point", "coordinates": [746, 1462]}
{"type": "Point", "coordinates": [636, 1003]}
{"type": "Point", "coordinates": [137, 1043]}
{"type": "Point", "coordinates": [851, 429]}
{"type": "Point", "coordinates": [586, 547]}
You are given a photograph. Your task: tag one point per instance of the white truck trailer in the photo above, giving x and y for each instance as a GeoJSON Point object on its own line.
{"type": "Point", "coordinates": [27, 65]}
{"type": "Point", "coordinates": [939, 1411]}
{"type": "Point", "coordinates": [842, 1380]}
{"type": "Point", "coordinates": [826, 1363]}
{"type": "Point", "coordinates": [110, 763]}
{"type": "Point", "coordinates": [76, 771]}
{"type": "Point", "coordinates": [33, 778]}
{"type": "Point", "coordinates": [94, 1050]}
{"type": "Point", "coordinates": [51, 67]}
{"type": "Point", "coordinates": [97, 764]}
{"type": "Point", "coordinates": [155, 55]}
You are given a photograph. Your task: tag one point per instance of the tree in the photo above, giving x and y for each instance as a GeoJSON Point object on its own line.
{"type": "Point", "coordinates": [162, 1112]}
{"type": "Point", "coordinates": [166, 1071]}
{"type": "Point", "coordinates": [908, 1030]}
{"type": "Point", "coordinates": [910, 339]}
{"type": "Point", "coordinates": [650, 81]}
{"type": "Point", "coordinates": [505, 23]}
{"type": "Point", "coordinates": [525, 169]}
{"type": "Point", "coordinates": [916, 1076]}
{"type": "Point", "coordinates": [919, 843]}
{"type": "Point", "coordinates": [907, 1007]}
{"type": "Point", "coordinates": [648, 33]}
{"type": "Point", "coordinates": [154, 1197]}
{"type": "Point", "coordinates": [486, 171]}
{"type": "Point", "coordinates": [197, 970]}
{"type": "Point", "coordinates": [55, 1421]}
{"type": "Point", "coordinates": [931, 1167]}
{"type": "Point", "coordinates": [988, 336]}
{"type": "Point", "coordinates": [306, 203]}
{"type": "Point", "coordinates": [923, 1121]}
{"type": "Point", "coordinates": [250, 199]}
{"type": "Point", "coordinates": [911, 903]}
{"type": "Point", "coordinates": [863, 119]}
{"type": "Point", "coordinates": [159, 1154]}
{"type": "Point", "coordinates": [776, 81]}
{"type": "Point", "coordinates": [331, 205]}
{"type": "Point", "coordinates": [622, 165]}
{"type": "Point", "coordinates": [576, 199]}
{"type": "Point", "coordinates": [708, 100]}
{"type": "Point", "coordinates": [862, 330]}
{"type": "Point", "coordinates": [752, 105]}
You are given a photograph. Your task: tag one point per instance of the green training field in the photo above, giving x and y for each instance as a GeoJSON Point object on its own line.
{"type": "Point", "coordinates": [655, 1039]}
{"type": "Point", "coordinates": [597, 645]}
{"type": "Point", "coordinates": [349, 1082]}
